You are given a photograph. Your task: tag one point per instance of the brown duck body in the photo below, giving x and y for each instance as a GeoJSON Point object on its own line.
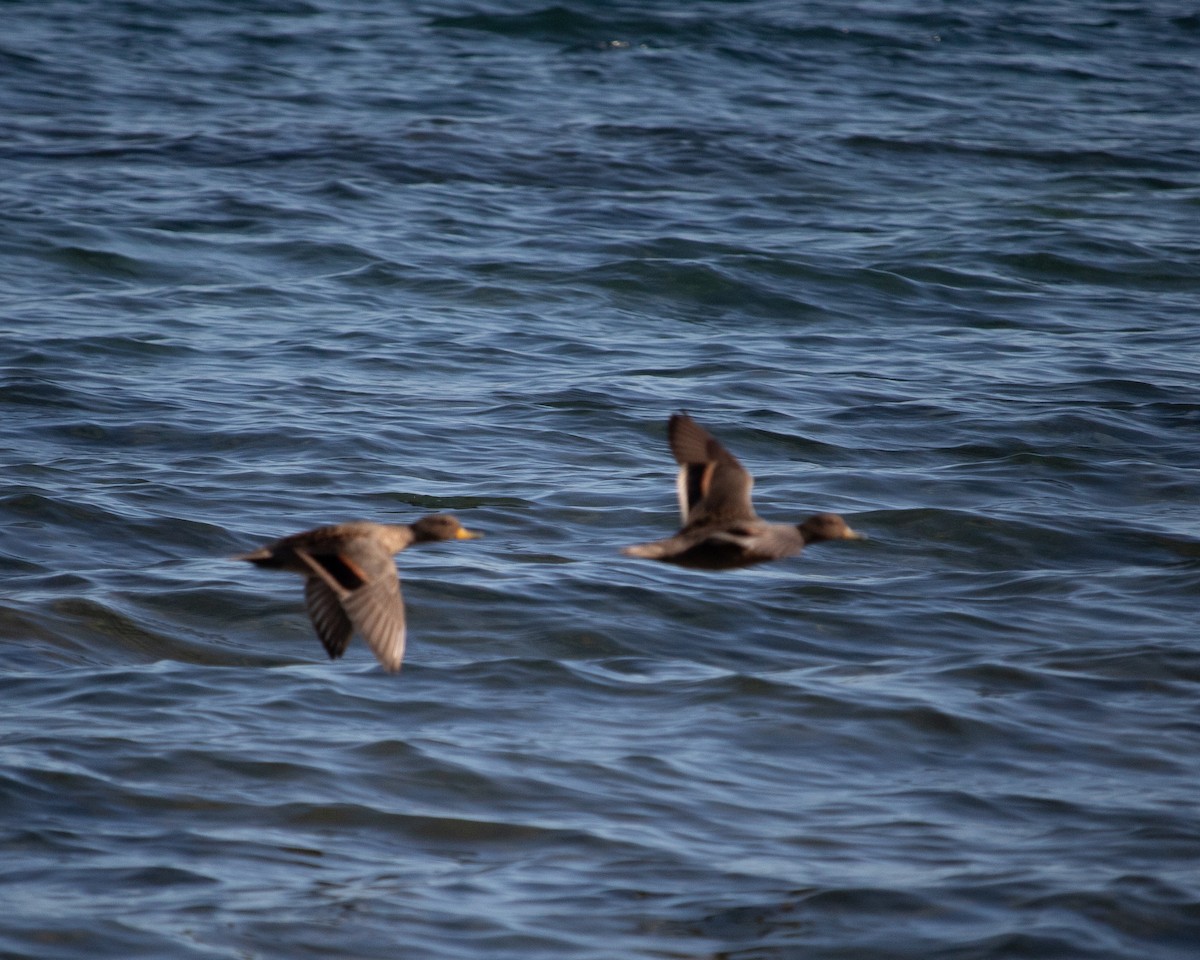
{"type": "Point", "coordinates": [350, 578]}
{"type": "Point", "coordinates": [721, 530]}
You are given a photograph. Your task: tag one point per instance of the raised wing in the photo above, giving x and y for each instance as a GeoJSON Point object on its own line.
{"type": "Point", "coordinates": [712, 484]}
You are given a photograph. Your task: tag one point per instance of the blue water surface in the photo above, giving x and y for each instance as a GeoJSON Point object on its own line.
{"type": "Point", "coordinates": [266, 265]}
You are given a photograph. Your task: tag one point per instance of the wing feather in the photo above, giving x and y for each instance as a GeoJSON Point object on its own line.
{"type": "Point", "coordinates": [377, 611]}
{"type": "Point", "coordinates": [325, 610]}
{"type": "Point", "coordinates": [712, 485]}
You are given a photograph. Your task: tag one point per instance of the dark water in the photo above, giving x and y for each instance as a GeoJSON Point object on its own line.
{"type": "Point", "coordinates": [272, 264]}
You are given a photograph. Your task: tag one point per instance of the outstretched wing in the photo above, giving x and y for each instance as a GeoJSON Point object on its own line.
{"type": "Point", "coordinates": [325, 610]}
{"type": "Point", "coordinates": [377, 611]}
{"type": "Point", "coordinates": [712, 484]}
{"type": "Point", "coordinates": [341, 599]}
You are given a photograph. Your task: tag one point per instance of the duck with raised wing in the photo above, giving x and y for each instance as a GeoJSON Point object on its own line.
{"type": "Point", "coordinates": [350, 578]}
{"type": "Point", "coordinates": [720, 529]}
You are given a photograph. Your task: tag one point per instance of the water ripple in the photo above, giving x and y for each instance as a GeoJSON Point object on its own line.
{"type": "Point", "coordinates": [294, 264]}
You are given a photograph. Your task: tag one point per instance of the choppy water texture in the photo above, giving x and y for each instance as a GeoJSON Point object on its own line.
{"type": "Point", "coordinates": [272, 264]}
